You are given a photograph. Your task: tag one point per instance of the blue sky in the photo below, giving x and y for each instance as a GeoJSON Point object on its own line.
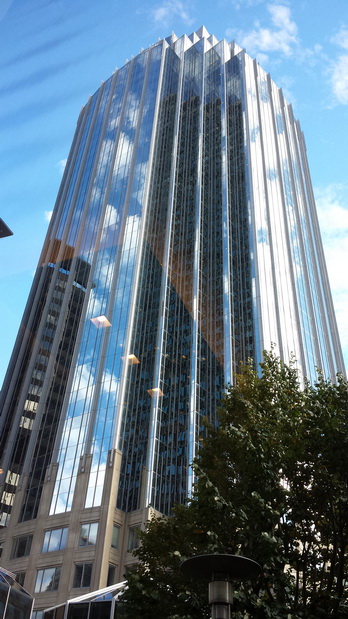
{"type": "Point", "coordinates": [55, 53]}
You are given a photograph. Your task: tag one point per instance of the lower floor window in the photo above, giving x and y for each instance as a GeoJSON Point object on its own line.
{"type": "Point", "coordinates": [20, 576]}
{"type": "Point", "coordinates": [133, 538]}
{"type": "Point", "coordinates": [47, 579]}
{"type": "Point", "coordinates": [21, 546]}
{"type": "Point", "coordinates": [111, 575]}
{"type": "Point", "coordinates": [82, 576]}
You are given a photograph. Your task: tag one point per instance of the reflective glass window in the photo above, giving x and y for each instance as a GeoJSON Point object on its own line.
{"type": "Point", "coordinates": [55, 613]}
{"type": "Point", "coordinates": [88, 534]}
{"type": "Point", "coordinates": [133, 538]}
{"type": "Point", "coordinates": [47, 580]}
{"type": "Point", "coordinates": [20, 577]}
{"type": "Point", "coordinates": [100, 610]}
{"type": "Point", "coordinates": [115, 536]}
{"type": "Point", "coordinates": [21, 546]}
{"type": "Point", "coordinates": [112, 575]}
{"type": "Point", "coordinates": [82, 575]}
{"type": "Point", "coordinates": [78, 611]}
{"type": "Point", "coordinates": [55, 540]}
{"type": "Point", "coordinates": [19, 605]}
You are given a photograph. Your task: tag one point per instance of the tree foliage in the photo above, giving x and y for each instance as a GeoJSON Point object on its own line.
{"type": "Point", "coordinates": [272, 485]}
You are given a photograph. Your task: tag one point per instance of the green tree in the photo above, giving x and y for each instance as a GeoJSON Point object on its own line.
{"type": "Point", "coordinates": [272, 485]}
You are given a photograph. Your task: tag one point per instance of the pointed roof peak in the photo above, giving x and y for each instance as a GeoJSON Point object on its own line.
{"type": "Point", "coordinates": [202, 32]}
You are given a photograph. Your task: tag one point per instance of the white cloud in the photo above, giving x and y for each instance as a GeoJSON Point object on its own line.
{"type": "Point", "coordinates": [48, 215]}
{"type": "Point", "coordinates": [341, 38]}
{"type": "Point", "coordinates": [339, 74]}
{"type": "Point", "coordinates": [332, 205]}
{"type": "Point", "coordinates": [245, 4]}
{"type": "Point", "coordinates": [281, 17]}
{"type": "Point", "coordinates": [311, 56]}
{"type": "Point", "coordinates": [333, 213]}
{"type": "Point", "coordinates": [111, 217]}
{"type": "Point", "coordinates": [281, 37]}
{"type": "Point", "coordinates": [95, 305]}
{"type": "Point", "coordinates": [170, 9]}
{"type": "Point", "coordinates": [339, 79]}
{"type": "Point", "coordinates": [61, 165]}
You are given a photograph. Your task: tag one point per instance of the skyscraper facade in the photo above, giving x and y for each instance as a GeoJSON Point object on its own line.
{"type": "Point", "coordinates": [184, 240]}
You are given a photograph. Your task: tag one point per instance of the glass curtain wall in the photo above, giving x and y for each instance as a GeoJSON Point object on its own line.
{"type": "Point", "coordinates": [183, 242]}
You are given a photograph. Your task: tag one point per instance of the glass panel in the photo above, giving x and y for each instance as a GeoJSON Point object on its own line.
{"type": "Point", "coordinates": [93, 530]}
{"type": "Point", "coordinates": [78, 611]}
{"type": "Point", "coordinates": [47, 580]}
{"type": "Point", "coordinates": [82, 576]}
{"type": "Point", "coordinates": [77, 576]}
{"type": "Point", "coordinates": [83, 540]}
{"type": "Point", "coordinates": [20, 577]}
{"type": "Point", "coordinates": [88, 534]}
{"type": "Point", "coordinates": [21, 546]}
{"type": "Point", "coordinates": [87, 573]}
{"type": "Point", "coordinates": [19, 605]}
{"type": "Point", "coordinates": [55, 540]}
{"type": "Point", "coordinates": [115, 536]}
{"type": "Point", "coordinates": [100, 610]}
{"type": "Point", "coordinates": [133, 539]}
{"type": "Point", "coordinates": [111, 575]}
{"type": "Point", "coordinates": [4, 591]}
{"type": "Point", "coordinates": [54, 580]}
{"type": "Point", "coordinates": [46, 541]}
{"type": "Point", "coordinates": [64, 537]}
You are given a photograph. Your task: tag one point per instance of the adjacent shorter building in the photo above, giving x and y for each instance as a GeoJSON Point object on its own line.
{"type": "Point", "coordinates": [101, 604]}
{"type": "Point", "coordinates": [184, 240]}
{"type": "Point", "coordinates": [14, 600]}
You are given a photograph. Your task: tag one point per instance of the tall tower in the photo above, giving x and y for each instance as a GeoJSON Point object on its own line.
{"type": "Point", "coordinates": [184, 240]}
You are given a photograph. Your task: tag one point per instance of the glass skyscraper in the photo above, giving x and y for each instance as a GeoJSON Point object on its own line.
{"type": "Point", "coordinates": [184, 240]}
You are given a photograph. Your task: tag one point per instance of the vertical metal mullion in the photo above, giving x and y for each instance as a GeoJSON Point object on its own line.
{"type": "Point", "coordinates": [227, 275]}
{"type": "Point", "coordinates": [68, 172]}
{"type": "Point", "coordinates": [255, 284]}
{"type": "Point", "coordinates": [149, 470]}
{"type": "Point", "coordinates": [196, 287]}
{"type": "Point", "coordinates": [64, 309]}
{"type": "Point", "coordinates": [295, 293]}
{"type": "Point", "coordinates": [131, 319]}
{"type": "Point", "coordinates": [292, 140]}
{"type": "Point", "coordinates": [275, 290]}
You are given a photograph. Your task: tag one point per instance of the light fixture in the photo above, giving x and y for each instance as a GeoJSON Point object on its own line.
{"type": "Point", "coordinates": [132, 359]}
{"type": "Point", "coordinates": [220, 571]}
{"type": "Point", "coordinates": [155, 392]}
{"type": "Point", "coordinates": [4, 229]}
{"type": "Point", "coordinates": [101, 322]}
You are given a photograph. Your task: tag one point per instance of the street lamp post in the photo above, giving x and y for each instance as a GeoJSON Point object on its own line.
{"type": "Point", "coordinates": [220, 570]}
{"type": "Point", "coordinates": [4, 229]}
